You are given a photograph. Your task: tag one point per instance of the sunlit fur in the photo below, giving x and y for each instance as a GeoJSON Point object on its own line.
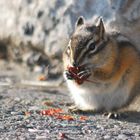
{"type": "Point", "coordinates": [115, 68]}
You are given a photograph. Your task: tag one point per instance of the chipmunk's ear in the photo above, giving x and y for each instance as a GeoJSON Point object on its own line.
{"type": "Point", "coordinates": [101, 28]}
{"type": "Point", "coordinates": [80, 21]}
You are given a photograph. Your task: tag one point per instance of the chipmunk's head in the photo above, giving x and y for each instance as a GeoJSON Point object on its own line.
{"type": "Point", "coordinates": [87, 45]}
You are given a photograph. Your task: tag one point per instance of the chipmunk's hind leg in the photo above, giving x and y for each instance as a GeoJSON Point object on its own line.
{"type": "Point", "coordinates": [74, 109]}
{"type": "Point", "coordinates": [112, 115]}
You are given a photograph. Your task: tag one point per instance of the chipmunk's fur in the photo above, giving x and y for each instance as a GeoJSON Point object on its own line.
{"type": "Point", "coordinates": [112, 61]}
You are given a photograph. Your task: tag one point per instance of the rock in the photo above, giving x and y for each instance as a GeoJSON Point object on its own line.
{"type": "Point", "coordinates": [41, 29]}
{"type": "Point", "coordinates": [36, 58]}
{"type": "Point", "coordinates": [47, 25]}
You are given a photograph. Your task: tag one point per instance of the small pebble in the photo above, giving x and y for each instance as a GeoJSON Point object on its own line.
{"type": "Point", "coordinates": [41, 137]}
{"type": "Point", "coordinates": [137, 135]}
{"type": "Point", "coordinates": [34, 130]}
{"type": "Point", "coordinates": [17, 99]}
{"type": "Point", "coordinates": [34, 108]}
{"type": "Point", "coordinates": [100, 127]}
{"type": "Point", "coordinates": [17, 113]}
{"type": "Point", "coordinates": [122, 136]}
{"type": "Point", "coordinates": [1, 126]}
{"type": "Point", "coordinates": [19, 117]}
{"type": "Point", "coordinates": [62, 135]}
{"type": "Point", "coordinates": [107, 137]}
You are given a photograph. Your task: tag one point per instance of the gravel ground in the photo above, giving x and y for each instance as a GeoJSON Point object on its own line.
{"type": "Point", "coordinates": [29, 113]}
{"type": "Point", "coordinates": [21, 118]}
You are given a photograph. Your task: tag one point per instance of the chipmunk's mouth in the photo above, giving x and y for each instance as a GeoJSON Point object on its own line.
{"type": "Point", "coordinates": [79, 74]}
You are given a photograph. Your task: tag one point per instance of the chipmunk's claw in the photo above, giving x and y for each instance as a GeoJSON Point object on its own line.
{"type": "Point", "coordinates": [112, 115]}
{"type": "Point", "coordinates": [84, 74]}
{"type": "Point", "coordinates": [68, 75]}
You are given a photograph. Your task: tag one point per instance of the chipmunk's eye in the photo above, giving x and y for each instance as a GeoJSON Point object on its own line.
{"type": "Point", "coordinates": [92, 46]}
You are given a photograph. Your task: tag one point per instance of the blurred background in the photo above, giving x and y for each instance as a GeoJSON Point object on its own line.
{"type": "Point", "coordinates": [34, 33]}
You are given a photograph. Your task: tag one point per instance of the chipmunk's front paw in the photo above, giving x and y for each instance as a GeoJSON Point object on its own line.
{"type": "Point", "coordinates": [84, 74]}
{"type": "Point", "coordinates": [69, 75]}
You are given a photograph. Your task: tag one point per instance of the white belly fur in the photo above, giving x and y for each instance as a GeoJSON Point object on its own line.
{"type": "Point", "coordinates": [90, 97]}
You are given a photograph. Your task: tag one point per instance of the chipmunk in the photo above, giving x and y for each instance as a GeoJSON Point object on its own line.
{"type": "Point", "coordinates": [108, 65]}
